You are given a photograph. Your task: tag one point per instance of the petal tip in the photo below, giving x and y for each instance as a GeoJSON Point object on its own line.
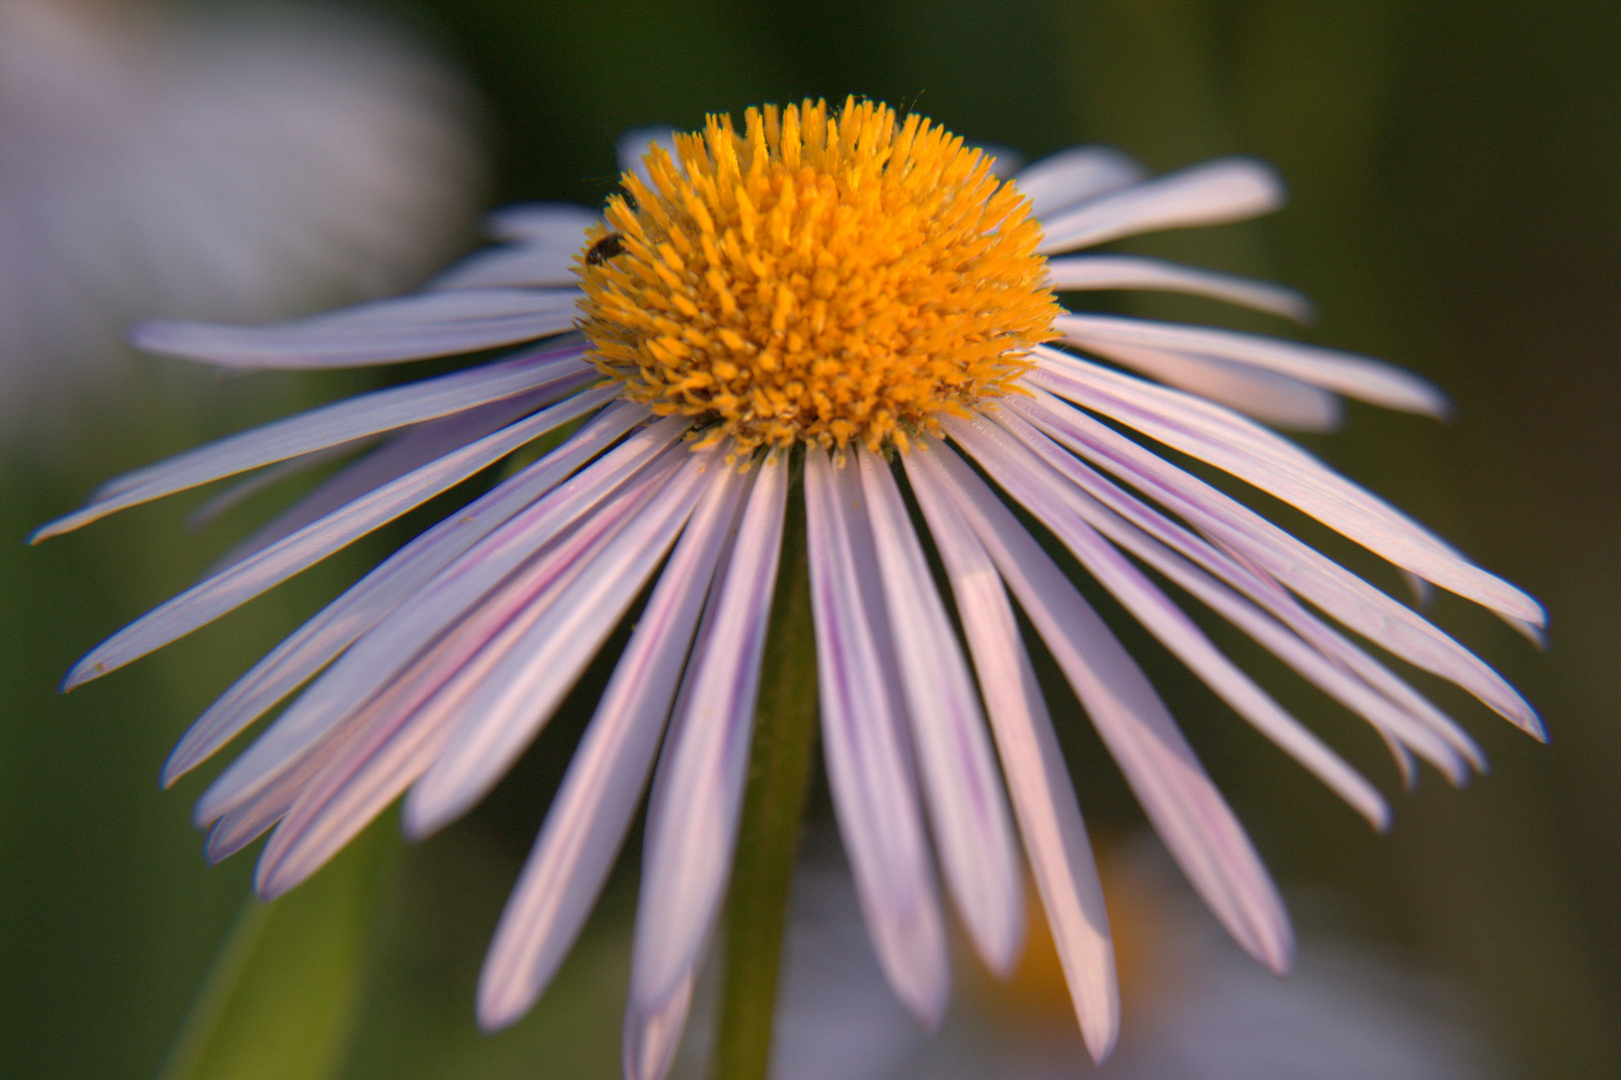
{"type": "Point", "coordinates": [157, 335]}
{"type": "Point", "coordinates": [498, 1010]}
{"type": "Point", "coordinates": [271, 879]}
{"type": "Point", "coordinates": [1100, 1039]}
{"type": "Point", "coordinates": [84, 671]}
{"type": "Point", "coordinates": [171, 773]}
{"type": "Point", "coordinates": [424, 814]}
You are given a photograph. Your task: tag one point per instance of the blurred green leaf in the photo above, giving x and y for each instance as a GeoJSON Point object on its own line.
{"type": "Point", "coordinates": [283, 994]}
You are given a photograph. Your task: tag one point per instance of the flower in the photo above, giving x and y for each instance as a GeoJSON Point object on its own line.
{"type": "Point", "coordinates": [240, 163]}
{"type": "Point", "coordinates": [1195, 1007]}
{"type": "Point", "coordinates": [859, 297]}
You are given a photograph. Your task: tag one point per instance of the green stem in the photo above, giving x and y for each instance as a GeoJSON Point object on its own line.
{"type": "Point", "coordinates": [283, 996]}
{"type": "Point", "coordinates": [773, 804]}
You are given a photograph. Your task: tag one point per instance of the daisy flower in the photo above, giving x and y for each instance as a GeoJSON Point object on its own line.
{"type": "Point", "coordinates": [852, 304]}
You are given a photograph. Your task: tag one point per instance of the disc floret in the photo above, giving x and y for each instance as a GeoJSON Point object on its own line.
{"type": "Point", "coordinates": [819, 279]}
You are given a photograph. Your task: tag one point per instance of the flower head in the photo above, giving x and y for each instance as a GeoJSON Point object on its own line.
{"type": "Point", "coordinates": [817, 280]}
{"type": "Point", "coordinates": [846, 301]}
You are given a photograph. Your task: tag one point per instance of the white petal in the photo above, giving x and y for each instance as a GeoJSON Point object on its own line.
{"type": "Point", "coordinates": [967, 807]}
{"type": "Point", "coordinates": [874, 792]}
{"type": "Point", "coordinates": [1029, 481]}
{"type": "Point", "coordinates": [245, 824]}
{"type": "Point", "coordinates": [1069, 176]}
{"type": "Point", "coordinates": [1258, 456]}
{"type": "Point", "coordinates": [1318, 653]}
{"type": "Point", "coordinates": [1345, 373]}
{"type": "Point", "coordinates": [1261, 395]}
{"type": "Point", "coordinates": [239, 583]}
{"type": "Point", "coordinates": [383, 746]}
{"type": "Point", "coordinates": [1043, 796]}
{"type": "Point", "coordinates": [1137, 272]}
{"type": "Point", "coordinates": [414, 328]}
{"type": "Point", "coordinates": [1227, 189]}
{"type": "Point", "coordinates": [382, 591]}
{"type": "Point", "coordinates": [408, 450]}
{"type": "Point", "coordinates": [518, 694]}
{"type": "Point", "coordinates": [693, 815]}
{"type": "Point", "coordinates": [242, 826]}
{"type": "Point", "coordinates": [248, 820]}
{"type": "Point", "coordinates": [1536, 635]}
{"type": "Point", "coordinates": [1005, 161]}
{"type": "Point", "coordinates": [1184, 806]}
{"type": "Point", "coordinates": [331, 425]}
{"type": "Point", "coordinates": [530, 264]}
{"type": "Point", "coordinates": [652, 1037]}
{"type": "Point", "coordinates": [602, 790]}
{"type": "Point", "coordinates": [542, 222]}
{"type": "Point", "coordinates": [431, 309]}
{"type": "Point", "coordinates": [391, 644]}
{"type": "Point", "coordinates": [397, 734]}
{"type": "Point", "coordinates": [242, 490]}
{"type": "Point", "coordinates": [1294, 564]}
{"type": "Point", "coordinates": [637, 143]}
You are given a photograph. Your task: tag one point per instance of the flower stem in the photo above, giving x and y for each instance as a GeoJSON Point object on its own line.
{"type": "Point", "coordinates": [773, 804]}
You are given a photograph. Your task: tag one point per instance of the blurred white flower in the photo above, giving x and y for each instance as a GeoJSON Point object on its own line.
{"type": "Point", "coordinates": [244, 162]}
{"type": "Point", "coordinates": [1197, 1007]}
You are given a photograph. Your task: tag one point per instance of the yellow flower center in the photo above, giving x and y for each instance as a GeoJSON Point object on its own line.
{"type": "Point", "coordinates": [816, 279]}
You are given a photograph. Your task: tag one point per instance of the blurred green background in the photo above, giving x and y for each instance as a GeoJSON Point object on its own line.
{"type": "Point", "coordinates": [1456, 176]}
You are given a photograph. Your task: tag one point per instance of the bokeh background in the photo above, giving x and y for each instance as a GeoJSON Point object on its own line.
{"type": "Point", "coordinates": [1456, 176]}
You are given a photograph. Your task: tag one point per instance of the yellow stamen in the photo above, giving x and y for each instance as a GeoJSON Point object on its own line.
{"type": "Point", "coordinates": [816, 279]}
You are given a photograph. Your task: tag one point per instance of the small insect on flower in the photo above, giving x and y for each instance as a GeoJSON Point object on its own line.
{"type": "Point", "coordinates": [604, 249]}
{"type": "Point", "coordinates": [846, 307]}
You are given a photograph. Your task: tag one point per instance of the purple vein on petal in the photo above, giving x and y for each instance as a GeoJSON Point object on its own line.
{"type": "Point", "coordinates": [331, 425]}
{"type": "Point", "coordinates": [240, 582]}
{"type": "Point", "coordinates": [1294, 564]}
{"type": "Point", "coordinates": [697, 803]}
{"type": "Point", "coordinates": [601, 792]}
{"type": "Point", "coordinates": [652, 1035]}
{"type": "Point", "coordinates": [869, 769]}
{"type": "Point", "coordinates": [1302, 640]}
{"type": "Point", "coordinates": [238, 493]}
{"type": "Point", "coordinates": [1029, 481]}
{"type": "Point", "coordinates": [1138, 272]}
{"type": "Point", "coordinates": [963, 788]}
{"type": "Point", "coordinates": [402, 453]}
{"type": "Point", "coordinates": [1260, 457]}
{"type": "Point", "coordinates": [1038, 779]}
{"type": "Point", "coordinates": [404, 727]}
{"type": "Point", "coordinates": [429, 324]}
{"type": "Point", "coordinates": [388, 645]}
{"type": "Point", "coordinates": [1345, 373]}
{"type": "Point", "coordinates": [518, 694]}
{"type": "Point", "coordinates": [1179, 798]}
{"type": "Point", "coordinates": [1259, 394]}
{"type": "Point", "coordinates": [384, 589]}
